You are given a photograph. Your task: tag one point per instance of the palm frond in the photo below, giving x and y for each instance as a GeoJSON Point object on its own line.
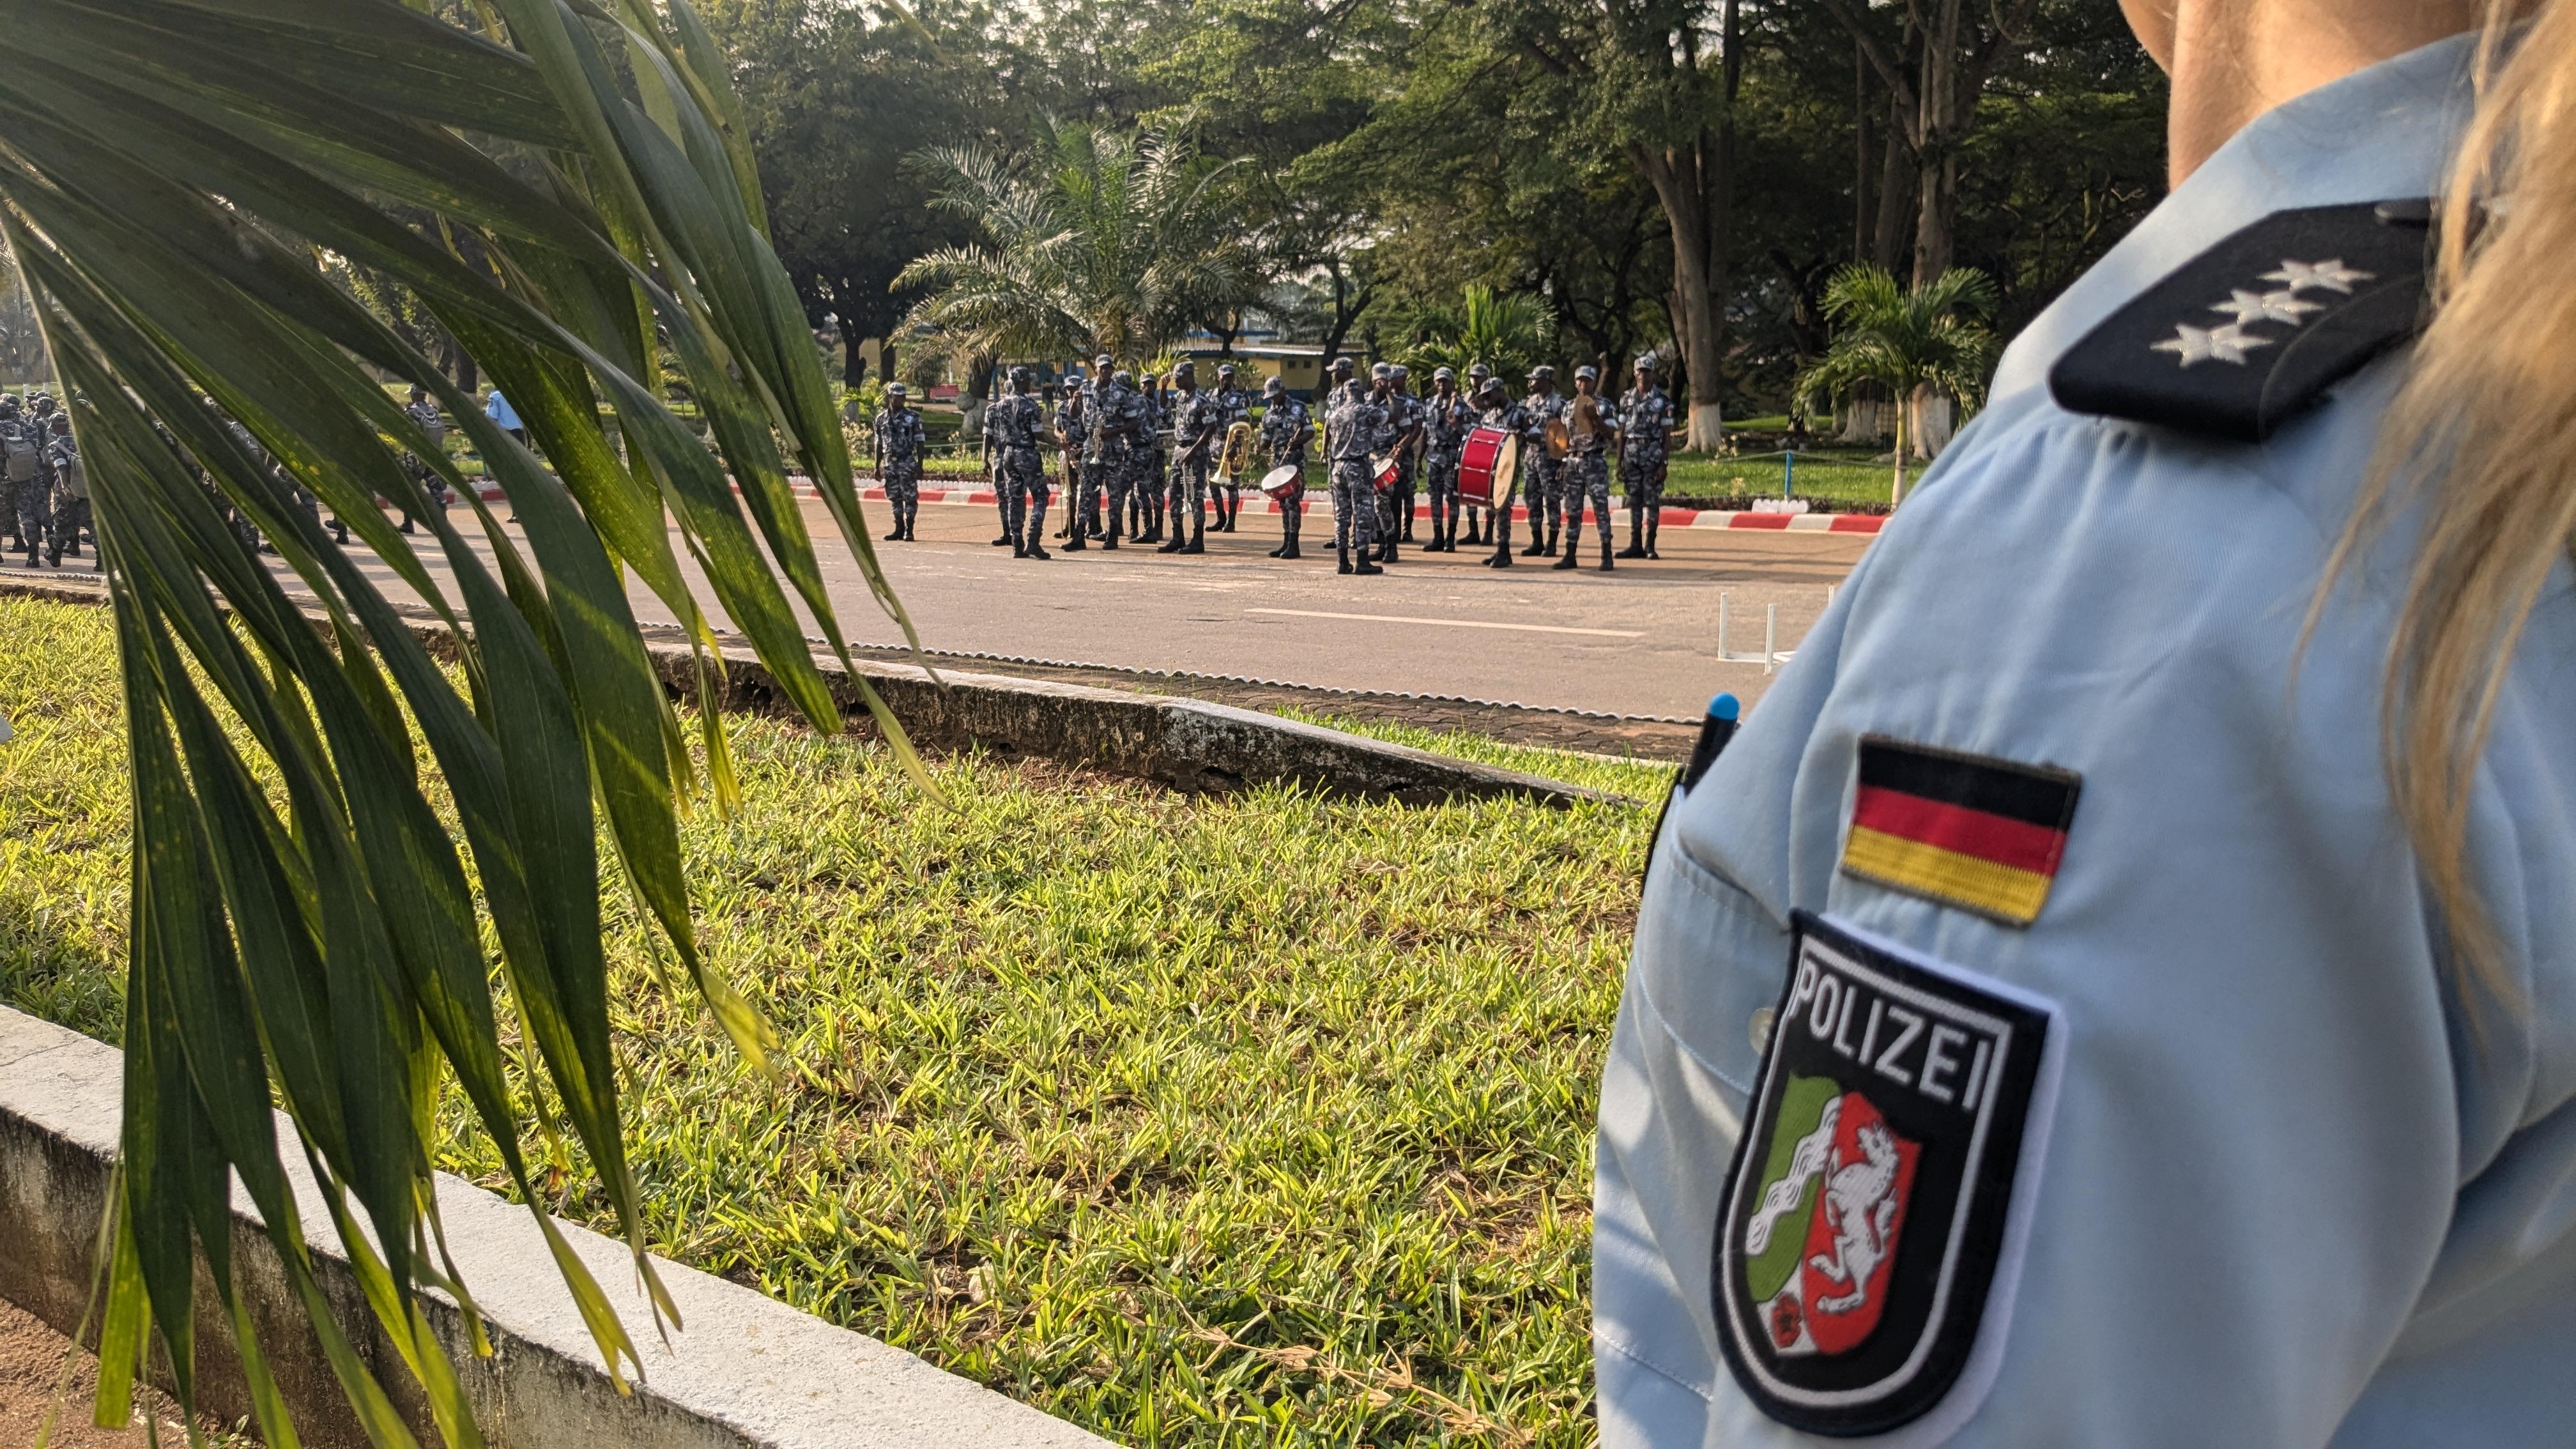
{"type": "Point", "coordinates": [169, 171]}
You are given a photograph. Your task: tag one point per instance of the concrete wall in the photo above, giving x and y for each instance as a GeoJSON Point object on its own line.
{"type": "Point", "coordinates": [744, 1371]}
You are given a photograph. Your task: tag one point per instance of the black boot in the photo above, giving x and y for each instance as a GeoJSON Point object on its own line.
{"type": "Point", "coordinates": [1651, 523]}
{"type": "Point", "coordinates": [1538, 538]}
{"type": "Point", "coordinates": [1605, 551]}
{"type": "Point", "coordinates": [1572, 547]}
{"type": "Point", "coordinates": [896, 532]}
{"type": "Point", "coordinates": [1198, 533]}
{"type": "Point", "coordinates": [1636, 535]}
{"type": "Point", "coordinates": [1288, 550]}
{"type": "Point", "coordinates": [1366, 565]}
{"type": "Point", "coordinates": [1342, 547]}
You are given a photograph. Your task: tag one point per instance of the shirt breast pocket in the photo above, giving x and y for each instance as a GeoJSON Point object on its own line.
{"type": "Point", "coordinates": [1710, 959]}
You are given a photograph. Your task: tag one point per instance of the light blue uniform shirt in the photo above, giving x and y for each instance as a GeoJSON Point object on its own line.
{"type": "Point", "coordinates": [500, 411]}
{"type": "Point", "coordinates": [2290, 1196]}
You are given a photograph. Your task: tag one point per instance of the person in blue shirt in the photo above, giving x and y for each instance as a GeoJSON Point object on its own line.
{"type": "Point", "coordinates": [2119, 987]}
{"type": "Point", "coordinates": [498, 409]}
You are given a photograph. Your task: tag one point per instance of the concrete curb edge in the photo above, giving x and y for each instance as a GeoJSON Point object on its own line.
{"type": "Point", "coordinates": [746, 1371]}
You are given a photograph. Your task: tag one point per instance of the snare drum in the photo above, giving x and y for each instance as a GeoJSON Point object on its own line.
{"type": "Point", "coordinates": [1283, 482]}
{"type": "Point", "coordinates": [1384, 470]}
{"type": "Point", "coordinates": [1485, 469]}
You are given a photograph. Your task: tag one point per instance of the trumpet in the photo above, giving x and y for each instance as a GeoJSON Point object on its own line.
{"type": "Point", "coordinates": [1236, 455]}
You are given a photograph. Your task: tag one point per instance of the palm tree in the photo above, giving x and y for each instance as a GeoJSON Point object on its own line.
{"type": "Point", "coordinates": [566, 187]}
{"type": "Point", "coordinates": [1903, 338]}
{"type": "Point", "coordinates": [1095, 241]}
{"type": "Point", "coordinates": [1509, 334]}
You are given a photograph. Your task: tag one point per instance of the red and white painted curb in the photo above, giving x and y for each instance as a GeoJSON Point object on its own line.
{"type": "Point", "coordinates": [1670, 517]}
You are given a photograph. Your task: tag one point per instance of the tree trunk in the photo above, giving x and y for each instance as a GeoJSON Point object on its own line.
{"type": "Point", "coordinates": [1864, 417]}
{"type": "Point", "coordinates": [1696, 184]}
{"type": "Point", "coordinates": [1895, 194]}
{"type": "Point", "coordinates": [854, 362]}
{"type": "Point", "coordinates": [1936, 162]}
{"type": "Point", "coordinates": [1932, 422]}
{"type": "Point", "coordinates": [1860, 153]}
{"type": "Point", "coordinates": [1896, 495]}
{"type": "Point", "coordinates": [885, 359]}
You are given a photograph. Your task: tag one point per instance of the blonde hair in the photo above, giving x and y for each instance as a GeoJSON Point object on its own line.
{"type": "Point", "coordinates": [2483, 435]}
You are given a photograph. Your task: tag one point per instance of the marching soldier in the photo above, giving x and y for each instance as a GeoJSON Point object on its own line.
{"type": "Point", "coordinates": [1015, 427]}
{"type": "Point", "coordinates": [425, 416]}
{"type": "Point", "coordinates": [1285, 429]}
{"type": "Point", "coordinates": [1234, 406]}
{"type": "Point", "coordinates": [1197, 424]}
{"type": "Point", "coordinates": [1645, 433]}
{"type": "Point", "coordinates": [1148, 500]}
{"type": "Point", "coordinates": [71, 494]}
{"type": "Point", "coordinates": [898, 458]}
{"type": "Point", "coordinates": [1446, 419]}
{"type": "Point", "coordinates": [1407, 412]}
{"type": "Point", "coordinates": [1382, 388]}
{"type": "Point", "coordinates": [1082, 513]}
{"type": "Point", "coordinates": [1477, 376]}
{"type": "Point", "coordinates": [1587, 466]}
{"type": "Point", "coordinates": [1354, 428]}
{"type": "Point", "coordinates": [1545, 488]}
{"type": "Point", "coordinates": [1497, 410]}
{"type": "Point", "coordinates": [1073, 435]}
{"type": "Point", "coordinates": [30, 483]}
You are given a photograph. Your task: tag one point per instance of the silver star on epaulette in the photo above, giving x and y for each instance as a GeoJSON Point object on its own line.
{"type": "Point", "coordinates": [2281, 306]}
{"type": "Point", "coordinates": [2331, 274]}
{"type": "Point", "coordinates": [2199, 344]}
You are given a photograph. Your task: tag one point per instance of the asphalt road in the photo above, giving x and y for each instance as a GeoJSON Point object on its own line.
{"type": "Point", "coordinates": [1639, 642]}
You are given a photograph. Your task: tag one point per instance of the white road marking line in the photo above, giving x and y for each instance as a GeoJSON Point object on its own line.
{"type": "Point", "coordinates": [1455, 623]}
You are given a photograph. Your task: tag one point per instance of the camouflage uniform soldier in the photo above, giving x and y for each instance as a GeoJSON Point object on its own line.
{"type": "Point", "coordinates": [30, 483]}
{"type": "Point", "coordinates": [425, 416]}
{"type": "Point", "coordinates": [898, 458]}
{"type": "Point", "coordinates": [71, 494]}
{"type": "Point", "coordinates": [1234, 405]}
{"type": "Point", "coordinates": [1499, 411]}
{"type": "Point", "coordinates": [1014, 427]}
{"type": "Point", "coordinates": [1382, 388]}
{"type": "Point", "coordinates": [1355, 427]}
{"type": "Point", "coordinates": [1587, 469]}
{"type": "Point", "coordinates": [1446, 419]}
{"type": "Point", "coordinates": [1153, 465]}
{"type": "Point", "coordinates": [1198, 423]}
{"type": "Point", "coordinates": [1409, 425]}
{"type": "Point", "coordinates": [1285, 429]}
{"type": "Point", "coordinates": [1132, 490]}
{"type": "Point", "coordinates": [1544, 477]}
{"type": "Point", "coordinates": [1073, 440]}
{"type": "Point", "coordinates": [1645, 433]}
{"type": "Point", "coordinates": [1478, 374]}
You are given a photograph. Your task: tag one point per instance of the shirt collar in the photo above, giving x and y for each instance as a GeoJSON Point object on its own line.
{"type": "Point", "coordinates": [2383, 132]}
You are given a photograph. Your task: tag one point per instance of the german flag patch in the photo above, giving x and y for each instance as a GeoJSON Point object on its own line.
{"type": "Point", "coordinates": [1970, 831]}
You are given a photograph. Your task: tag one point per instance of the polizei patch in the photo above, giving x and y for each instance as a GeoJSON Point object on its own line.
{"type": "Point", "coordinates": [1869, 1216]}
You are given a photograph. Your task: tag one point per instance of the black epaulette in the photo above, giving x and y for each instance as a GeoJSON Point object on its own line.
{"type": "Point", "coordinates": [2244, 336]}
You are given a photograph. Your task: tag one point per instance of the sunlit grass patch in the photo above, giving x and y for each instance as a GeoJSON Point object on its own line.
{"type": "Point", "coordinates": [1245, 1118]}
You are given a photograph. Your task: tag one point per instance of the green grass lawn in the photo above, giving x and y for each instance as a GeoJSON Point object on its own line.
{"type": "Point", "coordinates": [1843, 474]}
{"type": "Point", "coordinates": [1238, 1119]}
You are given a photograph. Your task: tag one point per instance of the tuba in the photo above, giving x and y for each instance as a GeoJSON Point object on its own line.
{"type": "Point", "coordinates": [1236, 455]}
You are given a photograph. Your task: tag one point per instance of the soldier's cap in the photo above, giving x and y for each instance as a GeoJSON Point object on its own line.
{"type": "Point", "coordinates": [62, 422]}
{"type": "Point", "coordinates": [1104, 362]}
{"type": "Point", "coordinates": [1442, 374]}
{"type": "Point", "coordinates": [1341, 364]}
{"type": "Point", "coordinates": [1225, 369]}
{"type": "Point", "coordinates": [1543, 371]}
{"type": "Point", "coordinates": [896, 389]}
{"type": "Point", "coordinates": [1587, 371]}
{"type": "Point", "coordinates": [1647, 363]}
{"type": "Point", "coordinates": [1379, 369]}
{"type": "Point", "coordinates": [1185, 366]}
{"type": "Point", "coordinates": [1400, 371]}
{"type": "Point", "coordinates": [1276, 384]}
{"type": "Point", "coordinates": [1480, 370]}
{"type": "Point", "coordinates": [1124, 378]}
{"type": "Point", "coordinates": [1020, 375]}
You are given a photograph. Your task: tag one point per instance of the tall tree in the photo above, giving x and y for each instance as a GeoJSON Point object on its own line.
{"type": "Point", "coordinates": [834, 97]}
{"type": "Point", "coordinates": [1093, 240]}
